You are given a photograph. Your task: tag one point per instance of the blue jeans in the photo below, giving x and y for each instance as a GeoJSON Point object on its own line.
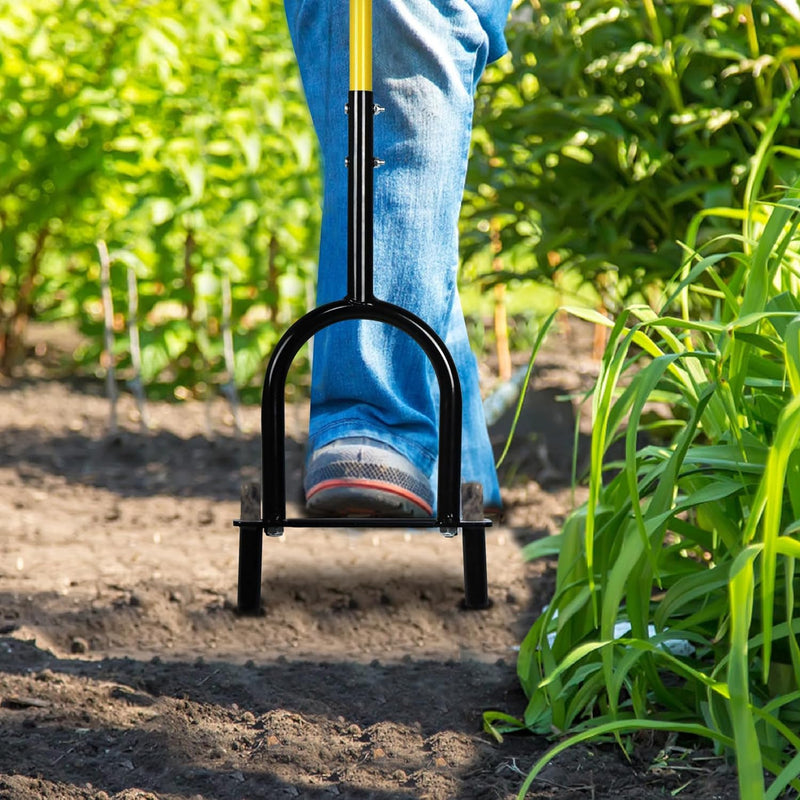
{"type": "Point", "coordinates": [370, 379]}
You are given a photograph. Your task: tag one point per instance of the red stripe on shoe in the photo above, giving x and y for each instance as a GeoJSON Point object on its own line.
{"type": "Point", "coordinates": [391, 488]}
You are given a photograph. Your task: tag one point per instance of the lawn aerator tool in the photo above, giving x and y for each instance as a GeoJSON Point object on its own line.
{"type": "Point", "coordinates": [268, 514]}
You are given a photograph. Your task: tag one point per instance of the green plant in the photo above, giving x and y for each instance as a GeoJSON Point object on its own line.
{"type": "Point", "coordinates": [611, 125]}
{"type": "Point", "coordinates": [177, 133]}
{"type": "Point", "coordinates": [675, 605]}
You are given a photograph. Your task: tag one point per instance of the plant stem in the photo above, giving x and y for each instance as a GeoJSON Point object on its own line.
{"type": "Point", "coordinates": [227, 345]}
{"type": "Point", "coordinates": [652, 18]}
{"type": "Point", "coordinates": [108, 332]}
{"type": "Point", "coordinates": [752, 44]}
{"type": "Point", "coordinates": [12, 332]}
{"type": "Point", "coordinates": [500, 310]}
{"type": "Point", "coordinates": [136, 350]}
{"type": "Point", "coordinates": [671, 82]}
{"type": "Point", "coordinates": [272, 279]}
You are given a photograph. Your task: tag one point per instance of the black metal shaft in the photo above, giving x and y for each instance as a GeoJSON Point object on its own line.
{"type": "Point", "coordinates": [251, 540]}
{"type": "Point", "coordinates": [361, 162]}
{"type": "Point", "coordinates": [473, 545]}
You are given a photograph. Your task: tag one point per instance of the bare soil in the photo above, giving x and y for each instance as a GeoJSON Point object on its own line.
{"type": "Point", "coordinates": [126, 673]}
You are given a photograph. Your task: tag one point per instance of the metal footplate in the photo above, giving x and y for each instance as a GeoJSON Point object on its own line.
{"type": "Point", "coordinates": [472, 529]}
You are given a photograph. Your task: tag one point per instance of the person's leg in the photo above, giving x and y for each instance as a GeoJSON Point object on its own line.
{"type": "Point", "coordinates": [369, 379]}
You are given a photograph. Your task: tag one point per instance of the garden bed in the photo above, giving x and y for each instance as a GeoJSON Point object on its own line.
{"type": "Point", "coordinates": [125, 672]}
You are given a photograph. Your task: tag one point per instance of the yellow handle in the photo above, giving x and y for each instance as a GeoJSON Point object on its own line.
{"type": "Point", "coordinates": [361, 45]}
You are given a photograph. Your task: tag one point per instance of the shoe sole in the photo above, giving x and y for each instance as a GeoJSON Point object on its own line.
{"type": "Point", "coordinates": [364, 498]}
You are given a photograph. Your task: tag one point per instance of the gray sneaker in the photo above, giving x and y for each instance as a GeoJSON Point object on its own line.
{"type": "Point", "coordinates": [362, 477]}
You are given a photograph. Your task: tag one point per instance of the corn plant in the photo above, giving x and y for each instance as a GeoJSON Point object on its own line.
{"type": "Point", "coordinates": [675, 604]}
{"type": "Point", "coordinates": [611, 124]}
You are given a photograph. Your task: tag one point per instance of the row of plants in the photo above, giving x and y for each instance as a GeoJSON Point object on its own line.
{"type": "Point", "coordinates": [176, 133]}
{"type": "Point", "coordinates": [676, 600]}
{"type": "Point", "coordinates": [611, 125]}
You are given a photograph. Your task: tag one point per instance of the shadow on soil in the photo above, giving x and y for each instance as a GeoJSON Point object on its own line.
{"type": "Point", "coordinates": [224, 730]}
{"type": "Point", "coordinates": [135, 464]}
{"type": "Point", "coordinates": [132, 464]}
{"type": "Point", "coordinates": [204, 729]}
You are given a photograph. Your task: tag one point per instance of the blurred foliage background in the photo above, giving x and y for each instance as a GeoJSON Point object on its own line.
{"type": "Point", "coordinates": [611, 125]}
{"type": "Point", "coordinates": [176, 133]}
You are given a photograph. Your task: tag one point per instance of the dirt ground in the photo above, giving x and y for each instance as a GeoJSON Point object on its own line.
{"type": "Point", "coordinates": [126, 673]}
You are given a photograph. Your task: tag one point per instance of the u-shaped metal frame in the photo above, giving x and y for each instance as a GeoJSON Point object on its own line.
{"type": "Point", "coordinates": [273, 418]}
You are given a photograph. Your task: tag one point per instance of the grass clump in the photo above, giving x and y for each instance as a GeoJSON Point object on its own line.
{"type": "Point", "coordinates": [675, 605]}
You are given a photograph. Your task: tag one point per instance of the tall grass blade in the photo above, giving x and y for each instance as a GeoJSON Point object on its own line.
{"type": "Point", "coordinates": [787, 437]}
{"type": "Point", "coordinates": [760, 161]}
{"type": "Point", "coordinates": [748, 750]}
{"type": "Point", "coordinates": [518, 410]}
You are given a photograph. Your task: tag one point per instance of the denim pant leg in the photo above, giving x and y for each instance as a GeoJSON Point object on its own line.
{"type": "Point", "coordinates": [370, 379]}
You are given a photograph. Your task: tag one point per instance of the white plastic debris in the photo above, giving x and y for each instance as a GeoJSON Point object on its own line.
{"type": "Point", "coordinates": [677, 647]}
{"type": "Point", "coordinates": [504, 396]}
